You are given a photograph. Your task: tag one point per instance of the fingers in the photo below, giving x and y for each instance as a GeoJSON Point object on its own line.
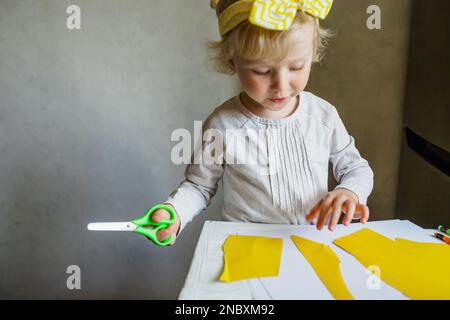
{"type": "Point", "coordinates": [335, 203]}
{"type": "Point", "coordinates": [337, 211]}
{"type": "Point", "coordinates": [349, 209]}
{"type": "Point", "coordinates": [365, 214]}
{"type": "Point", "coordinates": [314, 212]}
{"type": "Point", "coordinates": [166, 233]}
{"type": "Point", "coordinates": [361, 212]}
{"type": "Point", "coordinates": [172, 229]}
{"type": "Point", "coordinates": [159, 215]}
{"type": "Point", "coordinates": [324, 211]}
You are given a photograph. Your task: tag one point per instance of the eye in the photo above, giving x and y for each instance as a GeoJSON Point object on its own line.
{"type": "Point", "coordinates": [261, 73]}
{"type": "Point", "coordinates": [297, 69]}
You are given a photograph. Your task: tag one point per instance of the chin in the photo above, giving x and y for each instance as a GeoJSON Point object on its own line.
{"type": "Point", "coordinates": [276, 107]}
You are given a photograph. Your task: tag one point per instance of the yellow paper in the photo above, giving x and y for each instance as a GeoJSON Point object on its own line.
{"type": "Point", "coordinates": [326, 264]}
{"type": "Point", "coordinates": [419, 270]}
{"type": "Point", "coordinates": [251, 257]}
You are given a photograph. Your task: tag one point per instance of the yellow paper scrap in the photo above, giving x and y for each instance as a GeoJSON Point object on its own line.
{"type": "Point", "coordinates": [419, 270]}
{"type": "Point", "coordinates": [251, 257]}
{"type": "Point", "coordinates": [326, 264]}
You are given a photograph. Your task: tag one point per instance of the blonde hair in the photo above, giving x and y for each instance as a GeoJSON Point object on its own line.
{"type": "Point", "coordinates": [254, 43]}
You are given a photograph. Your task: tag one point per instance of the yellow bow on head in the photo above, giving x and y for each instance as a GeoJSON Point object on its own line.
{"type": "Point", "coordinates": [270, 14]}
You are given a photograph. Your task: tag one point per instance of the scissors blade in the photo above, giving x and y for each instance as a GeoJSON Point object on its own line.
{"type": "Point", "coordinates": [112, 226]}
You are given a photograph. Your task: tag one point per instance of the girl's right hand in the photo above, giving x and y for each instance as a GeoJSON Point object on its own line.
{"type": "Point", "coordinates": [163, 234]}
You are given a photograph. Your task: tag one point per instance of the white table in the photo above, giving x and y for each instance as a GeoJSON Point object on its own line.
{"type": "Point", "coordinates": [202, 281]}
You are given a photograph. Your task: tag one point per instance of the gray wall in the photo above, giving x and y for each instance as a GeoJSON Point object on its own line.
{"type": "Point", "coordinates": [86, 118]}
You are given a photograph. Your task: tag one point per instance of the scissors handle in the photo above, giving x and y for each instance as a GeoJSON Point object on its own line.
{"type": "Point", "coordinates": [146, 220]}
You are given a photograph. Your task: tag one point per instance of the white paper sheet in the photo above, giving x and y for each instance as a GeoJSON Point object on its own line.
{"type": "Point", "coordinates": [259, 292]}
{"type": "Point", "coordinates": [298, 280]}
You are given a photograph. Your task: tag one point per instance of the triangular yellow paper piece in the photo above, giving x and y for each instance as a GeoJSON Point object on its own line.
{"type": "Point", "coordinates": [251, 257]}
{"type": "Point", "coordinates": [326, 264]}
{"type": "Point", "coordinates": [419, 270]}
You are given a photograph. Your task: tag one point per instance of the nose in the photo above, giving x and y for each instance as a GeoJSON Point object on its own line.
{"type": "Point", "coordinates": [280, 82]}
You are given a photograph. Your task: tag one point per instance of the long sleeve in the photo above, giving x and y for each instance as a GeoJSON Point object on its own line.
{"type": "Point", "coordinates": [350, 170]}
{"type": "Point", "coordinates": [194, 194]}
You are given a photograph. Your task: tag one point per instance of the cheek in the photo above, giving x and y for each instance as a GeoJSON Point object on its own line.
{"type": "Point", "coordinates": [301, 81]}
{"type": "Point", "coordinates": [252, 84]}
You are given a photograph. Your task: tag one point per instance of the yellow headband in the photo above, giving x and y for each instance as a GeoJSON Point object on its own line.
{"type": "Point", "coordinates": [270, 14]}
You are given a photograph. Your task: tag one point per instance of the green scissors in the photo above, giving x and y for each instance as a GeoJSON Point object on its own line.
{"type": "Point", "coordinates": [139, 225]}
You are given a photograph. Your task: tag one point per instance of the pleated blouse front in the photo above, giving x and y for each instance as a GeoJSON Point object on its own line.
{"type": "Point", "coordinates": [286, 188]}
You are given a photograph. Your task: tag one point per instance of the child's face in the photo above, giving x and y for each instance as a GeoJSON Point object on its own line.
{"type": "Point", "coordinates": [265, 81]}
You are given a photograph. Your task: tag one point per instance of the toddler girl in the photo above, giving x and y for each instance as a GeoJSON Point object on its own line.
{"type": "Point", "coordinates": [271, 45]}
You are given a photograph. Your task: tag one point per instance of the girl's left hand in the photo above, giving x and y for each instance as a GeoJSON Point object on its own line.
{"type": "Point", "coordinates": [336, 202]}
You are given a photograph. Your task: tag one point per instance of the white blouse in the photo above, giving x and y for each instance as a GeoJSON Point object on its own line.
{"type": "Point", "coordinates": [285, 171]}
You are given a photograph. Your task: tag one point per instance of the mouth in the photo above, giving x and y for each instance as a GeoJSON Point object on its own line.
{"type": "Point", "coordinates": [279, 100]}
